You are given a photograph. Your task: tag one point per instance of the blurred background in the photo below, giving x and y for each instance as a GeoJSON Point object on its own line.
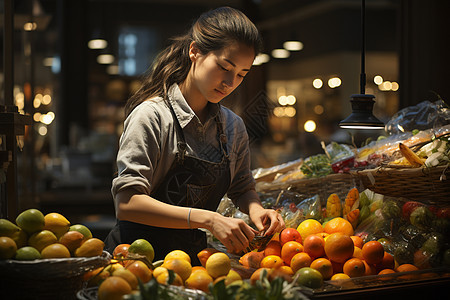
{"type": "Point", "coordinates": [77, 61]}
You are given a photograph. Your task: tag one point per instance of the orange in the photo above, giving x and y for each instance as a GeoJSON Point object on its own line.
{"type": "Point", "coordinates": [55, 251]}
{"type": "Point", "coordinates": [257, 274]}
{"type": "Point", "coordinates": [338, 224]}
{"type": "Point", "coordinates": [286, 270]}
{"type": "Point", "coordinates": [373, 252]}
{"type": "Point", "coordinates": [163, 278]}
{"type": "Point", "coordinates": [314, 245]}
{"type": "Point", "coordinates": [180, 266]}
{"type": "Point", "coordinates": [357, 241]}
{"type": "Point", "coordinates": [354, 267]}
{"type": "Point", "coordinates": [384, 272]}
{"type": "Point", "coordinates": [140, 270]}
{"type": "Point", "coordinates": [290, 234]}
{"type": "Point", "coordinates": [273, 248]}
{"type": "Point", "coordinates": [407, 268]}
{"type": "Point", "coordinates": [121, 250]}
{"type": "Point", "coordinates": [300, 260]}
{"type": "Point", "coordinates": [289, 250]}
{"type": "Point", "coordinates": [128, 276]}
{"type": "Point", "coordinates": [8, 247]}
{"type": "Point", "coordinates": [309, 226]}
{"type": "Point", "coordinates": [357, 252]}
{"type": "Point", "coordinates": [205, 254]}
{"type": "Point", "coordinates": [387, 262]}
{"type": "Point", "coordinates": [251, 259]}
{"type": "Point", "coordinates": [218, 264]}
{"type": "Point", "coordinates": [271, 261]}
{"type": "Point", "coordinates": [339, 247]}
{"type": "Point", "coordinates": [324, 266]}
{"type": "Point", "coordinates": [199, 280]}
{"type": "Point", "coordinates": [337, 267]}
{"type": "Point", "coordinates": [72, 240]}
{"type": "Point", "coordinates": [96, 276]}
{"type": "Point", "coordinates": [196, 268]}
{"type": "Point", "coordinates": [370, 269]}
{"type": "Point", "coordinates": [339, 276]}
{"type": "Point", "coordinates": [113, 288]}
{"type": "Point", "coordinates": [177, 254]}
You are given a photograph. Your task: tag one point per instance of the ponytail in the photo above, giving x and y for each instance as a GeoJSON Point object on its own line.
{"type": "Point", "coordinates": [214, 30]}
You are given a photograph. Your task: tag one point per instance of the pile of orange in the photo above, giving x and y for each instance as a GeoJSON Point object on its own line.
{"type": "Point", "coordinates": [332, 249]}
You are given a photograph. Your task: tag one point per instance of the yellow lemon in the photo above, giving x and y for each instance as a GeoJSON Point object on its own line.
{"type": "Point", "coordinates": [218, 264]}
{"type": "Point", "coordinates": [56, 223]}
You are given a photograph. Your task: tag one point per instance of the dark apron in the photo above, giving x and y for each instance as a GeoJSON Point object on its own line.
{"type": "Point", "coordinates": [190, 182]}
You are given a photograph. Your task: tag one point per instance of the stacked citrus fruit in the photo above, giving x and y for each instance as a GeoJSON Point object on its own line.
{"type": "Point", "coordinates": [314, 252]}
{"type": "Point", "coordinates": [134, 262]}
{"type": "Point", "coordinates": [35, 236]}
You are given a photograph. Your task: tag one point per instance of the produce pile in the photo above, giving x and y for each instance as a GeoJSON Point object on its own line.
{"type": "Point", "coordinates": [418, 148]}
{"type": "Point", "coordinates": [37, 236]}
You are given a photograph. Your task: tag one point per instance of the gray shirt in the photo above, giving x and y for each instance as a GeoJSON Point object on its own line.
{"type": "Point", "coordinates": [148, 144]}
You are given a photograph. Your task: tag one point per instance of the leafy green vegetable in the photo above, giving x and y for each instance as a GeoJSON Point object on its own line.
{"type": "Point", "coordinates": [316, 166]}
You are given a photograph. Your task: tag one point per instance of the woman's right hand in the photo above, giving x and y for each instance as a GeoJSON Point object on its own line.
{"type": "Point", "coordinates": [234, 233]}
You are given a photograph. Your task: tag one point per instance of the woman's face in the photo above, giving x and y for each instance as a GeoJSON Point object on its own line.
{"type": "Point", "coordinates": [217, 73]}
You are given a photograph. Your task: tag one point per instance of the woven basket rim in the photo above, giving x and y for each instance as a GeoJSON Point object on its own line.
{"type": "Point", "coordinates": [403, 170]}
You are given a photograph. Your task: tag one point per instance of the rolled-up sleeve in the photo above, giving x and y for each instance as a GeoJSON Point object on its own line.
{"type": "Point", "coordinates": [139, 150]}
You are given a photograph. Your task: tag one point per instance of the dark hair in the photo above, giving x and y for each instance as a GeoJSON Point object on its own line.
{"type": "Point", "coordinates": [213, 30]}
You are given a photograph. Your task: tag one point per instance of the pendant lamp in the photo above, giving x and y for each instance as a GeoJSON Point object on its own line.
{"type": "Point", "coordinates": [362, 104]}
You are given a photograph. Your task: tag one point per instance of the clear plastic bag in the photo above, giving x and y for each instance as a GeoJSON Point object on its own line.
{"type": "Point", "coordinates": [422, 116]}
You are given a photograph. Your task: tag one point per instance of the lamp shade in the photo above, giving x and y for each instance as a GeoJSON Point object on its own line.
{"type": "Point", "coordinates": [362, 116]}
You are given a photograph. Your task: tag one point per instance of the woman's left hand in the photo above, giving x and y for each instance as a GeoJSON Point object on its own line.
{"type": "Point", "coordinates": [267, 220]}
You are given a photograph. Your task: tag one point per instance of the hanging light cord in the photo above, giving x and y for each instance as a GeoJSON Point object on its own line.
{"type": "Point", "coordinates": [363, 46]}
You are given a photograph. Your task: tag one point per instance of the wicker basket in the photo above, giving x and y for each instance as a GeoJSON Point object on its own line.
{"type": "Point", "coordinates": [427, 185]}
{"type": "Point", "coordinates": [56, 278]}
{"type": "Point", "coordinates": [339, 184]}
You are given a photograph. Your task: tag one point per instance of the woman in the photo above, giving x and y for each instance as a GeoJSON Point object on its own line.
{"type": "Point", "coordinates": [181, 151]}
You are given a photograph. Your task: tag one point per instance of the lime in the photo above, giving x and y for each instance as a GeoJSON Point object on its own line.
{"type": "Point", "coordinates": [309, 277]}
{"type": "Point", "coordinates": [27, 253]}
{"type": "Point", "coordinates": [31, 220]}
{"type": "Point", "coordinates": [8, 228]}
{"type": "Point", "coordinates": [83, 229]}
{"type": "Point", "coordinates": [142, 247]}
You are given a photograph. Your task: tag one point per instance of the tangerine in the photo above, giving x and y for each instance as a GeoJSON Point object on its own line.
{"type": "Point", "coordinates": [140, 270]}
{"type": "Point", "coordinates": [370, 269]}
{"type": "Point", "coordinates": [180, 266]}
{"type": "Point", "coordinates": [339, 276]}
{"type": "Point", "coordinates": [407, 268]}
{"type": "Point", "coordinates": [163, 278]}
{"type": "Point", "coordinates": [271, 261]}
{"type": "Point", "coordinates": [195, 269]}
{"type": "Point", "coordinates": [314, 245]}
{"type": "Point", "coordinates": [324, 266]}
{"type": "Point", "coordinates": [339, 224]}
{"type": "Point", "coordinates": [128, 276]}
{"type": "Point", "coordinates": [256, 275]}
{"type": "Point", "coordinates": [205, 254]}
{"type": "Point", "coordinates": [286, 270]}
{"type": "Point", "coordinates": [387, 262]}
{"type": "Point", "coordinates": [177, 254]}
{"type": "Point", "coordinates": [289, 250]}
{"type": "Point", "coordinates": [357, 241]}
{"type": "Point", "coordinates": [290, 234]}
{"type": "Point", "coordinates": [354, 267]}
{"type": "Point", "coordinates": [339, 247]}
{"type": "Point", "coordinates": [199, 280]}
{"type": "Point", "coordinates": [55, 250]}
{"type": "Point", "coordinates": [373, 252]}
{"type": "Point", "coordinates": [308, 227]}
{"type": "Point", "coordinates": [121, 251]}
{"type": "Point", "coordinates": [251, 259]}
{"type": "Point", "coordinates": [357, 252]}
{"type": "Point", "coordinates": [113, 288]}
{"type": "Point", "coordinates": [300, 260]}
{"type": "Point", "coordinates": [8, 247]}
{"type": "Point", "coordinates": [273, 248]}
